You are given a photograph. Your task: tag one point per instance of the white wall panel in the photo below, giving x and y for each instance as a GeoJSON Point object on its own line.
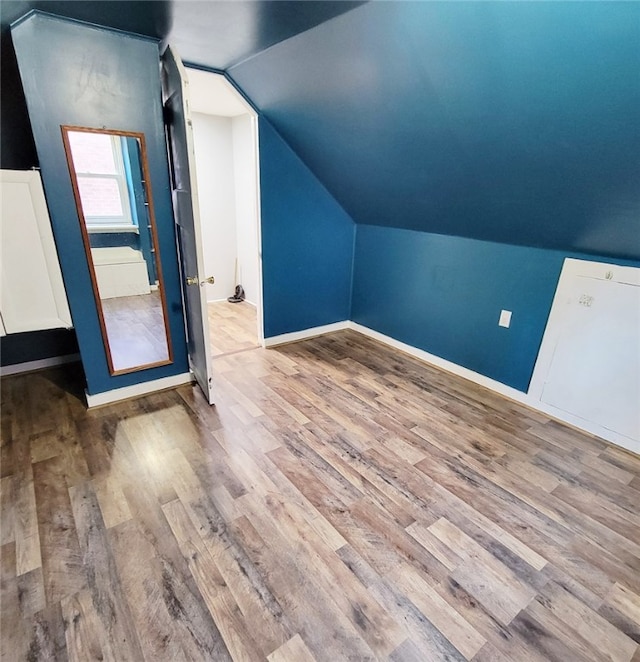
{"type": "Point", "coordinates": [32, 294]}
{"type": "Point", "coordinates": [589, 362]}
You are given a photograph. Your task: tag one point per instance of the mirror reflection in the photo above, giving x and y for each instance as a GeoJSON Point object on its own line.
{"type": "Point", "coordinates": [109, 173]}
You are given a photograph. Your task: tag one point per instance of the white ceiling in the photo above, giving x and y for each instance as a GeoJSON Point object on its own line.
{"type": "Point", "coordinates": [212, 94]}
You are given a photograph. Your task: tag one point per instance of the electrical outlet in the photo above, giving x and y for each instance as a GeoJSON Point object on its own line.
{"type": "Point", "coordinates": [505, 318]}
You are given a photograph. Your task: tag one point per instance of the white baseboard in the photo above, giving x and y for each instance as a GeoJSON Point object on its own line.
{"type": "Point", "coordinates": [439, 362]}
{"type": "Point", "coordinates": [30, 366]}
{"type": "Point", "coordinates": [136, 390]}
{"type": "Point", "coordinates": [225, 299]}
{"type": "Point", "coordinates": [632, 445]}
{"type": "Point", "coordinates": [306, 333]}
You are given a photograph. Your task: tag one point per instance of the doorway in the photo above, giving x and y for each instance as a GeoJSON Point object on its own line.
{"type": "Point", "coordinates": [226, 156]}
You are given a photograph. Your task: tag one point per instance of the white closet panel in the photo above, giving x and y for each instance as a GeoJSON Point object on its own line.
{"type": "Point", "coordinates": [589, 362]}
{"type": "Point", "coordinates": [32, 294]}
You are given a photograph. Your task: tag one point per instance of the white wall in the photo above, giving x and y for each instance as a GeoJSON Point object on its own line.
{"type": "Point", "coordinates": [246, 203]}
{"type": "Point", "coordinates": [213, 140]}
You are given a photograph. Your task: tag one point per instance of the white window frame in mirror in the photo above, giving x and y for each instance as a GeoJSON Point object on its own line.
{"type": "Point", "coordinates": [122, 223]}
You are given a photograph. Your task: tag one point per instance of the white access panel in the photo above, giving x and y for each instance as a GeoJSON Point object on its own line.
{"type": "Point", "coordinates": [589, 362]}
{"type": "Point", "coordinates": [32, 294]}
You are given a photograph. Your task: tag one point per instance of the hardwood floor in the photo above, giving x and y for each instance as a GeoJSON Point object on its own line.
{"type": "Point", "coordinates": [341, 502]}
{"type": "Point", "coordinates": [136, 330]}
{"type": "Point", "coordinates": [233, 327]}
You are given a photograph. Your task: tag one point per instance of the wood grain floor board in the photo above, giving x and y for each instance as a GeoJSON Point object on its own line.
{"type": "Point", "coordinates": [211, 584]}
{"type": "Point", "coordinates": [308, 608]}
{"type": "Point", "coordinates": [624, 496]}
{"type": "Point", "coordinates": [12, 624]}
{"type": "Point", "coordinates": [286, 490]}
{"type": "Point", "coordinates": [348, 462]}
{"type": "Point", "coordinates": [342, 501]}
{"type": "Point", "coordinates": [544, 644]}
{"type": "Point", "coordinates": [353, 607]}
{"type": "Point", "coordinates": [293, 650]}
{"type": "Point", "coordinates": [524, 563]}
{"type": "Point", "coordinates": [104, 590]}
{"type": "Point", "coordinates": [7, 509]}
{"type": "Point", "coordinates": [621, 567]}
{"type": "Point", "coordinates": [31, 598]}
{"type": "Point", "coordinates": [602, 637]}
{"type": "Point", "coordinates": [62, 564]}
{"type": "Point", "coordinates": [249, 591]}
{"type": "Point", "coordinates": [431, 643]}
{"type": "Point", "coordinates": [233, 327]}
{"type": "Point", "coordinates": [447, 619]}
{"type": "Point", "coordinates": [619, 458]}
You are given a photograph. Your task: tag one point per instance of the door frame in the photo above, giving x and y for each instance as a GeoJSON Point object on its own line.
{"type": "Point", "coordinates": [184, 193]}
{"type": "Point", "coordinates": [255, 128]}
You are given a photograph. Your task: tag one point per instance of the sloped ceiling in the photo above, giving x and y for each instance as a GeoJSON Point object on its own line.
{"type": "Point", "coordinates": [212, 33]}
{"type": "Point", "coordinates": [152, 19]}
{"type": "Point", "coordinates": [515, 122]}
{"type": "Point", "coordinates": [215, 33]}
{"type": "Point", "coordinates": [221, 34]}
{"type": "Point", "coordinates": [512, 122]}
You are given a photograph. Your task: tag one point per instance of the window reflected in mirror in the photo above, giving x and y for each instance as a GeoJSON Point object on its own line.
{"type": "Point", "coordinates": [109, 173]}
{"type": "Point", "coordinates": [103, 181]}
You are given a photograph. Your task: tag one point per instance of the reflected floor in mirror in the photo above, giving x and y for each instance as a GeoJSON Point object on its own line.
{"type": "Point", "coordinates": [232, 327]}
{"type": "Point", "coordinates": [135, 327]}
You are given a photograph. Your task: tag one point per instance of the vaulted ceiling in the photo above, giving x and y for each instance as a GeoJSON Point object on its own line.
{"type": "Point", "coordinates": [213, 33]}
{"type": "Point", "coordinates": [511, 122]}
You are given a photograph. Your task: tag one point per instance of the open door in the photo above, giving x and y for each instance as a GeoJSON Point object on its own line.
{"type": "Point", "coordinates": [187, 217]}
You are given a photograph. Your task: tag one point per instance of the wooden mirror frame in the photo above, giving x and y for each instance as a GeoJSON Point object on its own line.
{"type": "Point", "coordinates": [66, 129]}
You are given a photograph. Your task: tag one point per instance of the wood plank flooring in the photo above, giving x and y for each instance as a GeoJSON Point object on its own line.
{"type": "Point", "coordinates": [340, 502]}
{"type": "Point", "coordinates": [233, 327]}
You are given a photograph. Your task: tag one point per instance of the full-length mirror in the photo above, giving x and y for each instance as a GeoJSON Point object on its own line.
{"type": "Point", "coordinates": [110, 177]}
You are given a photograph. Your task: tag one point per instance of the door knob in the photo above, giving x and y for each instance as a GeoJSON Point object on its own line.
{"type": "Point", "coordinates": [193, 280]}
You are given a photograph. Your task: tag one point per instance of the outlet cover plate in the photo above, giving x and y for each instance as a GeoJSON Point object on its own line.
{"type": "Point", "coordinates": [505, 318]}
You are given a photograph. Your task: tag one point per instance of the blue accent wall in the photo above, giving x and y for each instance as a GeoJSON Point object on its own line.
{"type": "Point", "coordinates": [111, 239]}
{"type": "Point", "coordinates": [475, 145]}
{"type": "Point", "coordinates": [444, 295]}
{"type": "Point", "coordinates": [512, 122]}
{"type": "Point", "coordinates": [307, 243]}
{"type": "Point", "coordinates": [80, 75]}
{"type": "Point", "coordinates": [37, 345]}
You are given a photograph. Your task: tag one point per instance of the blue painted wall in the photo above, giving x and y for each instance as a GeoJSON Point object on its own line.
{"type": "Point", "coordinates": [80, 75]}
{"type": "Point", "coordinates": [19, 348]}
{"type": "Point", "coordinates": [514, 122]}
{"type": "Point", "coordinates": [307, 243]}
{"type": "Point", "coordinates": [511, 123]}
{"type": "Point", "coordinates": [444, 295]}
